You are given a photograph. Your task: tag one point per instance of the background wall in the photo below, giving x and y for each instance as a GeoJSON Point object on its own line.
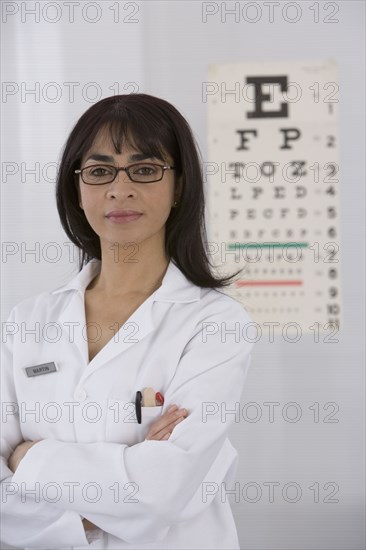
{"type": "Point", "coordinates": [73, 55]}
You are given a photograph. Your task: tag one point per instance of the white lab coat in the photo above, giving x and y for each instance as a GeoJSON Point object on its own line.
{"type": "Point", "coordinates": [93, 460]}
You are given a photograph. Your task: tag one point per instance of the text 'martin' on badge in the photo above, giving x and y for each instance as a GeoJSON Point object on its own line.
{"type": "Point", "coordinates": [44, 368]}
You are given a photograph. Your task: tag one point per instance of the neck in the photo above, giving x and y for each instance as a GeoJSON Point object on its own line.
{"type": "Point", "coordinates": [129, 270]}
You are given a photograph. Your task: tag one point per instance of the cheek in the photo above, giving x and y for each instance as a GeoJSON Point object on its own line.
{"type": "Point", "coordinates": [89, 205]}
{"type": "Point", "coordinates": [162, 198]}
{"type": "Point", "coordinates": [88, 200]}
{"type": "Point", "coordinates": [160, 206]}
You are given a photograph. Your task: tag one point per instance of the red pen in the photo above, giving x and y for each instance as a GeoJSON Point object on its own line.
{"type": "Point", "coordinates": [159, 399]}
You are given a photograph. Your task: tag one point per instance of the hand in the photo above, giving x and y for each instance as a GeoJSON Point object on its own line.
{"type": "Point", "coordinates": [19, 453]}
{"type": "Point", "coordinates": [162, 428]}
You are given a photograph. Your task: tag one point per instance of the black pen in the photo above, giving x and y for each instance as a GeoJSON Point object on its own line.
{"type": "Point", "coordinates": [138, 406]}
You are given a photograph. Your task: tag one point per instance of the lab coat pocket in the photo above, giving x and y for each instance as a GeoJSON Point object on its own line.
{"type": "Point", "coordinates": [122, 425]}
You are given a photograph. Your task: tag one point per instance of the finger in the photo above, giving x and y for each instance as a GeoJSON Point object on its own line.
{"type": "Point", "coordinates": [166, 421]}
{"type": "Point", "coordinates": [168, 428]}
{"type": "Point", "coordinates": [158, 433]}
{"type": "Point", "coordinates": [173, 414]}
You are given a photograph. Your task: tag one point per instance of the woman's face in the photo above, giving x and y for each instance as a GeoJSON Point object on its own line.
{"type": "Point", "coordinates": [153, 200]}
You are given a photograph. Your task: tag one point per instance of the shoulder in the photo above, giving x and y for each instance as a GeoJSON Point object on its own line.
{"type": "Point", "coordinates": [204, 301]}
{"type": "Point", "coordinates": [219, 328]}
{"type": "Point", "coordinates": [50, 300]}
{"type": "Point", "coordinates": [34, 305]}
{"type": "Point", "coordinates": [215, 303]}
{"type": "Point", "coordinates": [219, 319]}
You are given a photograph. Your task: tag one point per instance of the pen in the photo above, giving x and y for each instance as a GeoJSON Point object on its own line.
{"type": "Point", "coordinates": [138, 406]}
{"type": "Point", "coordinates": [149, 398]}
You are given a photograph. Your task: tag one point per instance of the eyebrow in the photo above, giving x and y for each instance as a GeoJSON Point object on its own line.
{"type": "Point", "coordinates": [107, 158]}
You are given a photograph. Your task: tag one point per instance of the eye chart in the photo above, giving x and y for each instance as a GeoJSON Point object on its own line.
{"type": "Point", "coordinates": [272, 181]}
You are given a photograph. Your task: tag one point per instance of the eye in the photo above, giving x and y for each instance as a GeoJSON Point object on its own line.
{"type": "Point", "coordinates": [145, 169]}
{"type": "Point", "coordinates": [99, 171]}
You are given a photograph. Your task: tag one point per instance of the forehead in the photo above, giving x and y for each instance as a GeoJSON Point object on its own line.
{"type": "Point", "coordinates": [103, 144]}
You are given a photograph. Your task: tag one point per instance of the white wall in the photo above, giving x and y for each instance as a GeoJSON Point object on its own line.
{"type": "Point", "coordinates": [166, 53]}
{"type": "Point", "coordinates": [82, 59]}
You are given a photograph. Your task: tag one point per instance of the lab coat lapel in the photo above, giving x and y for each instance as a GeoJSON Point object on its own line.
{"type": "Point", "coordinates": [174, 288]}
{"type": "Point", "coordinates": [72, 316]}
{"type": "Point", "coordinates": [139, 325]}
{"type": "Point", "coordinates": [72, 321]}
{"type": "Point", "coordinates": [136, 327]}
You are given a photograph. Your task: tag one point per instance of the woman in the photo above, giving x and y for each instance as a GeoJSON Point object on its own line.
{"type": "Point", "coordinates": [87, 461]}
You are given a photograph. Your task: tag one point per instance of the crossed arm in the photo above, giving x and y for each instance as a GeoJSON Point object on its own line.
{"type": "Point", "coordinates": [160, 430]}
{"type": "Point", "coordinates": [170, 474]}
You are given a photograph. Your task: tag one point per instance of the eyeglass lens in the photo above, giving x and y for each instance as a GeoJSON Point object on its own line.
{"type": "Point", "coordinates": [142, 173]}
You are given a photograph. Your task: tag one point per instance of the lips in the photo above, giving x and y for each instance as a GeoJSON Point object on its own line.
{"type": "Point", "coordinates": [123, 213]}
{"type": "Point", "coordinates": [123, 216]}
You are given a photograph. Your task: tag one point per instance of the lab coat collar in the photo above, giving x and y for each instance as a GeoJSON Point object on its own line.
{"type": "Point", "coordinates": [175, 286]}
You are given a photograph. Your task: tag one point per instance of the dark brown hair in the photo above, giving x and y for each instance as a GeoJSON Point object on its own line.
{"type": "Point", "coordinates": [156, 127]}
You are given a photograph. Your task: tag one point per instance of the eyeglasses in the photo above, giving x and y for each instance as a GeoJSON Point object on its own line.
{"type": "Point", "coordinates": [142, 172]}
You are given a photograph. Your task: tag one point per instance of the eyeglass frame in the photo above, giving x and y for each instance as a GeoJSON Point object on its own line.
{"type": "Point", "coordinates": [125, 169]}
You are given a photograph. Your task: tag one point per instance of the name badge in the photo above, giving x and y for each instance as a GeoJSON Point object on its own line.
{"type": "Point", "coordinates": [45, 368]}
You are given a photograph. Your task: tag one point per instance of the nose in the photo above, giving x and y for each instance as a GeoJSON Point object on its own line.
{"type": "Point", "coordinates": [121, 185]}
